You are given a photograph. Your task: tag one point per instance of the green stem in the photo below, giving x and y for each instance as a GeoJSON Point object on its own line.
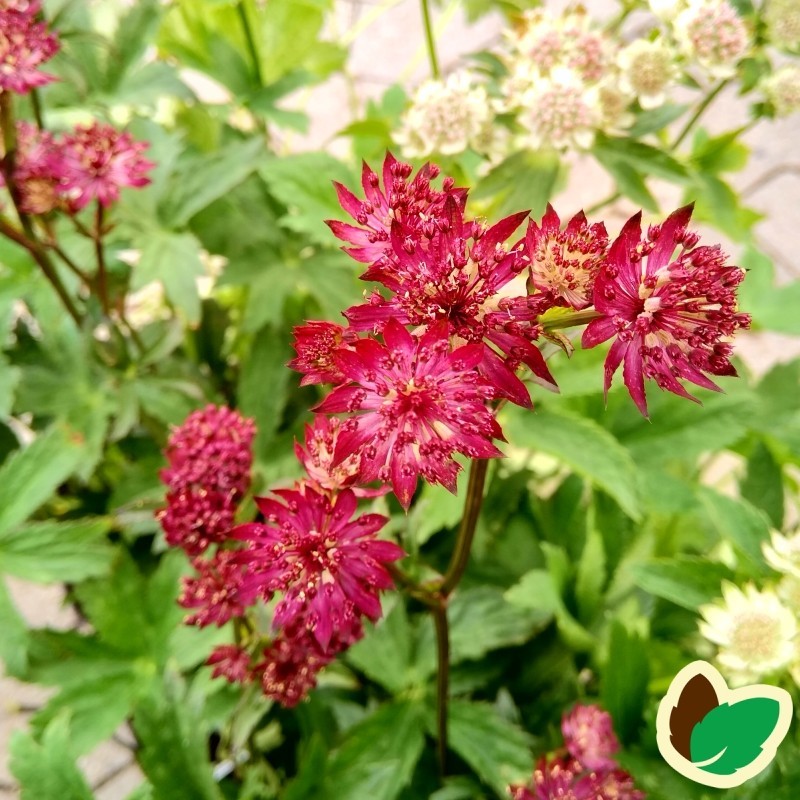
{"type": "Point", "coordinates": [442, 681]}
{"type": "Point", "coordinates": [102, 276]}
{"type": "Point", "coordinates": [571, 320]}
{"type": "Point", "coordinates": [430, 40]}
{"type": "Point", "coordinates": [699, 111]}
{"type": "Point", "coordinates": [469, 522]}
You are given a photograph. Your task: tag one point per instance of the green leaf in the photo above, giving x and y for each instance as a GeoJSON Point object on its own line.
{"type": "Point", "coordinates": [525, 179]}
{"type": "Point", "coordinates": [724, 153]}
{"type": "Point", "coordinates": [763, 484]}
{"type": "Point", "coordinates": [204, 179]}
{"type": "Point", "coordinates": [15, 638]}
{"type": "Point", "coordinates": [263, 385]}
{"type": "Point", "coordinates": [538, 590]}
{"type": "Point", "coordinates": [378, 757]}
{"type": "Point", "coordinates": [303, 183]}
{"type": "Point", "coordinates": [716, 202]}
{"type": "Point", "coordinates": [591, 575]}
{"type": "Point", "coordinates": [174, 260]}
{"type": "Point", "coordinates": [174, 751]}
{"type": "Point", "coordinates": [588, 449]}
{"type": "Point", "coordinates": [384, 653]}
{"type": "Point", "coordinates": [773, 308]}
{"type": "Point", "coordinates": [737, 521]}
{"type": "Point", "coordinates": [30, 476]}
{"type": "Point", "coordinates": [436, 508]}
{"type": "Point", "coordinates": [735, 733]}
{"type": "Point", "coordinates": [686, 581]}
{"type": "Point", "coordinates": [629, 181]}
{"type": "Point", "coordinates": [497, 750]}
{"type": "Point", "coordinates": [625, 677]}
{"type": "Point", "coordinates": [644, 158]}
{"type": "Point", "coordinates": [656, 119]}
{"type": "Point", "coordinates": [481, 620]}
{"type": "Point", "coordinates": [57, 551]}
{"type": "Point", "coordinates": [47, 771]}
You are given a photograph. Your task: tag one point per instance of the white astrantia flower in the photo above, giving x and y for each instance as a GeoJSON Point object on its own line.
{"type": "Point", "coordinates": [667, 9]}
{"type": "Point", "coordinates": [783, 553]}
{"type": "Point", "coordinates": [711, 33]}
{"type": "Point", "coordinates": [561, 112]}
{"type": "Point", "coordinates": [614, 102]}
{"type": "Point", "coordinates": [446, 117]}
{"type": "Point", "coordinates": [648, 70]}
{"type": "Point", "coordinates": [782, 89]}
{"type": "Point", "coordinates": [783, 23]}
{"type": "Point", "coordinates": [754, 632]}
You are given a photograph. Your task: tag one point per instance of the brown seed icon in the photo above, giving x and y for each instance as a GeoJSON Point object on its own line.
{"type": "Point", "coordinates": [697, 699]}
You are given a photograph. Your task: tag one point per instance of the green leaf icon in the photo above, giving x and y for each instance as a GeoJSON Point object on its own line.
{"type": "Point", "coordinates": [731, 736]}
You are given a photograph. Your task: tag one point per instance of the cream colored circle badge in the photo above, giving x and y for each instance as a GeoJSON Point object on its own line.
{"type": "Point", "coordinates": [718, 736]}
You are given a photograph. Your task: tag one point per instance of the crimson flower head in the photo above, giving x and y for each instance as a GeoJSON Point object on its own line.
{"type": "Point", "coordinates": [325, 474]}
{"type": "Point", "coordinates": [38, 169]}
{"type": "Point", "coordinates": [564, 263]}
{"type": "Point", "coordinates": [214, 592]}
{"type": "Point", "coordinates": [329, 566]}
{"type": "Point", "coordinates": [671, 314]}
{"type": "Point", "coordinates": [421, 401]}
{"type": "Point", "coordinates": [25, 44]}
{"type": "Point", "coordinates": [315, 344]}
{"type": "Point", "coordinates": [552, 780]}
{"type": "Point", "coordinates": [413, 203]}
{"type": "Point", "coordinates": [462, 273]}
{"type": "Point", "coordinates": [231, 662]}
{"type": "Point", "coordinates": [290, 664]}
{"type": "Point", "coordinates": [100, 161]}
{"type": "Point", "coordinates": [210, 456]}
{"type": "Point", "coordinates": [589, 736]}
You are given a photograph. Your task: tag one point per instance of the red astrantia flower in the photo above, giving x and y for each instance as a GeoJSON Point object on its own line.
{"type": "Point", "coordinates": [564, 263]}
{"type": "Point", "coordinates": [215, 592]}
{"type": "Point", "coordinates": [463, 274]}
{"type": "Point", "coordinates": [670, 314]}
{"type": "Point", "coordinates": [38, 169]}
{"type": "Point", "coordinates": [230, 662]}
{"type": "Point", "coordinates": [615, 784]}
{"type": "Point", "coordinates": [589, 736]}
{"type": "Point", "coordinates": [324, 474]}
{"type": "Point", "coordinates": [422, 403]}
{"type": "Point", "coordinates": [101, 160]}
{"type": "Point", "coordinates": [25, 44]}
{"type": "Point", "coordinates": [329, 566]}
{"type": "Point", "coordinates": [209, 457]}
{"type": "Point", "coordinates": [414, 204]}
{"type": "Point", "coordinates": [290, 665]}
{"type": "Point", "coordinates": [315, 344]}
{"type": "Point", "coordinates": [552, 780]}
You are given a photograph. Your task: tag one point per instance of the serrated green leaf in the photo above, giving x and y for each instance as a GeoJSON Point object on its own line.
{"type": "Point", "coordinates": [740, 523]}
{"type": "Point", "coordinates": [174, 751]}
{"type": "Point", "coordinates": [204, 179]}
{"type": "Point", "coordinates": [497, 750]}
{"type": "Point", "coordinates": [591, 574]}
{"type": "Point", "coordinates": [31, 475]}
{"type": "Point", "coordinates": [378, 756]}
{"type": "Point", "coordinates": [174, 260]}
{"type": "Point", "coordinates": [524, 180]}
{"type": "Point", "coordinates": [735, 733]}
{"type": "Point", "coordinates": [772, 307]}
{"type": "Point", "coordinates": [581, 444]}
{"type": "Point", "coordinates": [656, 119]}
{"type": "Point", "coordinates": [303, 182]}
{"type": "Point", "coordinates": [15, 639]}
{"type": "Point", "coordinates": [263, 385]}
{"type": "Point", "coordinates": [646, 159]}
{"type": "Point", "coordinates": [763, 484]}
{"type": "Point", "coordinates": [481, 620]}
{"type": "Point", "coordinates": [384, 653]}
{"type": "Point", "coordinates": [686, 581]}
{"type": "Point", "coordinates": [47, 771]}
{"type": "Point", "coordinates": [57, 551]}
{"type": "Point", "coordinates": [625, 677]}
